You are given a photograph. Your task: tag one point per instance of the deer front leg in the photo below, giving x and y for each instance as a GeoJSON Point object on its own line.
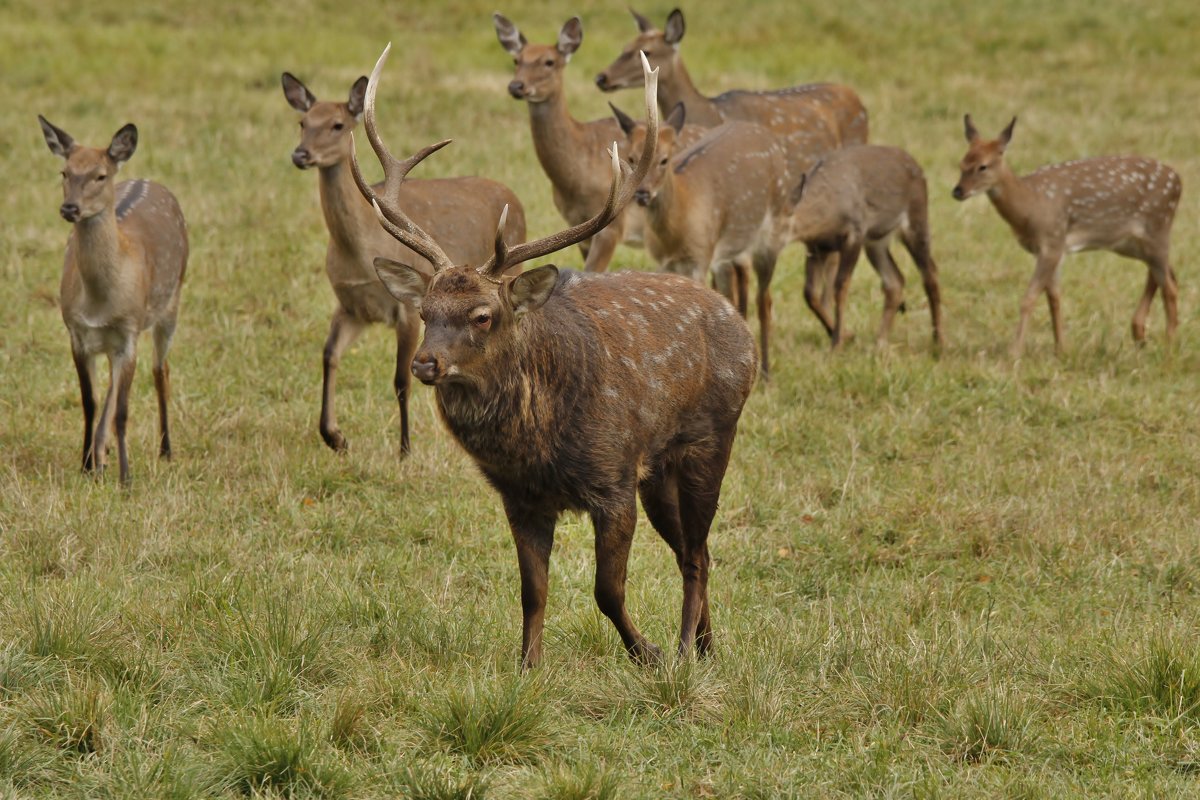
{"type": "Point", "coordinates": [817, 267]}
{"type": "Point", "coordinates": [121, 417]}
{"type": "Point", "coordinates": [343, 330]}
{"type": "Point", "coordinates": [407, 334]}
{"type": "Point", "coordinates": [614, 536]}
{"type": "Point", "coordinates": [1043, 274]}
{"type": "Point", "coordinates": [847, 260]}
{"type": "Point", "coordinates": [533, 534]}
{"type": "Point", "coordinates": [603, 245]}
{"type": "Point", "coordinates": [892, 281]}
{"type": "Point", "coordinates": [85, 368]}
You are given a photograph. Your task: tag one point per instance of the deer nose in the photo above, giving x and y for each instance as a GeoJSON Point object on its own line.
{"type": "Point", "coordinates": [69, 212]}
{"type": "Point", "coordinates": [958, 193]}
{"type": "Point", "coordinates": [602, 81]}
{"type": "Point", "coordinates": [425, 367]}
{"type": "Point", "coordinates": [642, 197]}
{"type": "Point", "coordinates": [301, 158]}
{"type": "Point", "coordinates": [517, 89]}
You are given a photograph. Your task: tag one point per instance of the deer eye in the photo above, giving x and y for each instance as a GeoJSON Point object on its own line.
{"type": "Point", "coordinates": [482, 319]}
{"type": "Point", "coordinates": [663, 163]}
{"type": "Point", "coordinates": [982, 167]}
{"type": "Point", "coordinates": [549, 62]}
{"type": "Point", "coordinates": [337, 126]}
{"type": "Point", "coordinates": [100, 177]}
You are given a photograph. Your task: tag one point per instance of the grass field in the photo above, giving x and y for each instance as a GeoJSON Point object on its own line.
{"type": "Point", "coordinates": [953, 577]}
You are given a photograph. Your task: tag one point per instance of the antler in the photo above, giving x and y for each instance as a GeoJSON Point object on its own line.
{"type": "Point", "coordinates": [619, 194]}
{"type": "Point", "coordinates": [391, 217]}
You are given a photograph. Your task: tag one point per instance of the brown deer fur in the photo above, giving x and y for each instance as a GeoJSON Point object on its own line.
{"type": "Point", "coordinates": [445, 206]}
{"type": "Point", "coordinates": [122, 274]}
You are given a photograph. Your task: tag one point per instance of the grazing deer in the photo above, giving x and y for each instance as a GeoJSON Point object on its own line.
{"type": "Point", "coordinates": [580, 391]}
{"type": "Point", "coordinates": [1124, 204]}
{"type": "Point", "coordinates": [122, 274]}
{"type": "Point", "coordinates": [857, 198]}
{"type": "Point", "coordinates": [810, 120]}
{"type": "Point", "coordinates": [445, 206]}
{"type": "Point", "coordinates": [719, 205]}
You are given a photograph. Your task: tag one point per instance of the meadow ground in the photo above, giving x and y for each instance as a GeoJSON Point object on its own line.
{"type": "Point", "coordinates": [955, 577]}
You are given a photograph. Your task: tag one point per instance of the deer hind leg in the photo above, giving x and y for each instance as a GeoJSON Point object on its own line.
{"type": "Point", "coordinates": [818, 265]}
{"type": "Point", "coordinates": [701, 474]}
{"type": "Point", "coordinates": [343, 330]}
{"type": "Point", "coordinates": [408, 332]}
{"type": "Point", "coordinates": [614, 536]}
{"type": "Point", "coordinates": [660, 499]}
{"type": "Point", "coordinates": [163, 333]}
{"type": "Point", "coordinates": [104, 425]}
{"type": "Point", "coordinates": [533, 534]}
{"type": "Point", "coordinates": [892, 281]}
{"type": "Point", "coordinates": [1143, 309]}
{"type": "Point", "coordinates": [85, 367]}
{"type": "Point", "coordinates": [915, 238]}
{"type": "Point", "coordinates": [847, 260]}
{"type": "Point", "coordinates": [1162, 274]}
{"type": "Point", "coordinates": [764, 271]}
{"type": "Point", "coordinates": [1043, 274]}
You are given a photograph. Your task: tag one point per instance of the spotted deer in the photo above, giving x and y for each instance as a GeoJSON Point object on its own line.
{"type": "Point", "coordinates": [1124, 204]}
{"type": "Point", "coordinates": [122, 274]}
{"type": "Point", "coordinates": [856, 199]}
{"type": "Point", "coordinates": [718, 206]}
{"type": "Point", "coordinates": [809, 120]}
{"type": "Point", "coordinates": [581, 391]}
{"type": "Point", "coordinates": [445, 206]}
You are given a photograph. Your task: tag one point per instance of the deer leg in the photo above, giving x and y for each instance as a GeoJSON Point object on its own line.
{"type": "Point", "coordinates": [764, 271]}
{"type": "Point", "coordinates": [1143, 309]}
{"type": "Point", "coordinates": [533, 534]}
{"type": "Point", "coordinates": [162, 384]}
{"type": "Point", "coordinates": [1054, 301]}
{"type": "Point", "coordinates": [1164, 276]}
{"type": "Point", "coordinates": [817, 267]}
{"type": "Point", "coordinates": [660, 499]}
{"type": "Point", "coordinates": [343, 330]}
{"type": "Point", "coordinates": [85, 368]}
{"type": "Point", "coordinates": [916, 241]}
{"type": "Point", "coordinates": [847, 260]}
{"type": "Point", "coordinates": [614, 536]}
{"type": "Point", "coordinates": [1047, 263]}
{"type": "Point", "coordinates": [603, 245]}
{"type": "Point", "coordinates": [104, 424]}
{"type": "Point", "coordinates": [407, 334]}
{"type": "Point", "coordinates": [893, 286]}
{"type": "Point", "coordinates": [121, 418]}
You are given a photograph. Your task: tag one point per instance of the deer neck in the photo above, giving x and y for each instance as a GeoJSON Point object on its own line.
{"type": "Point", "coordinates": [667, 216]}
{"type": "Point", "coordinates": [560, 143]}
{"type": "Point", "coordinates": [1017, 202]}
{"type": "Point", "coordinates": [347, 215]}
{"type": "Point", "coordinates": [98, 253]}
{"type": "Point", "coordinates": [677, 87]}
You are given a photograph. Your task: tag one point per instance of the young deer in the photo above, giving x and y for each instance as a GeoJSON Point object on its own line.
{"type": "Point", "coordinates": [718, 205]}
{"type": "Point", "coordinates": [571, 152]}
{"type": "Point", "coordinates": [1124, 204]}
{"type": "Point", "coordinates": [445, 206]}
{"type": "Point", "coordinates": [857, 198]}
{"type": "Point", "coordinates": [581, 391]}
{"type": "Point", "coordinates": [122, 274]}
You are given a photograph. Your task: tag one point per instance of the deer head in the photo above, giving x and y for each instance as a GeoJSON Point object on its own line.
{"type": "Point", "coordinates": [539, 68]}
{"type": "Point", "coordinates": [473, 313]}
{"type": "Point", "coordinates": [325, 128]}
{"type": "Point", "coordinates": [666, 147]}
{"type": "Point", "coordinates": [981, 166]}
{"type": "Point", "coordinates": [660, 47]}
{"type": "Point", "coordinates": [87, 175]}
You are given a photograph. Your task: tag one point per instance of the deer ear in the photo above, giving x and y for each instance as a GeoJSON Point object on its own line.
{"type": "Point", "coordinates": [58, 140]}
{"type": "Point", "coordinates": [969, 129]}
{"type": "Point", "coordinates": [124, 142]}
{"type": "Point", "coordinates": [530, 290]}
{"type": "Point", "coordinates": [677, 116]}
{"type": "Point", "coordinates": [642, 23]}
{"type": "Point", "coordinates": [406, 284]}
{"type": "Point", "coordinates": [358, 93]}
{"type": "Point", "coordinates": [626, 122]}
{"type": "Point", "coordinates": [570, 37]}
{"type": "Point", "coordinates": [675, 28]}
{"type": "Point", "coordinates": [510, 38]}
{"type": "Point", "coordinates": [296, 93]}
{"type": "Point", "coordinates": [1006, 134]}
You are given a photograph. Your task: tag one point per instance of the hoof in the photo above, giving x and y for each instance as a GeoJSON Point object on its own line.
{"type": "Point", "coordinates": [646, 654]}
{"type": "Point", "coordinates": [336, 442]}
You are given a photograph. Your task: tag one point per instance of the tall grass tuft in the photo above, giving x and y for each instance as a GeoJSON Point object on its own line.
{"type": "Point", "coordinates": [502, 721]}
{"type": "Point", "coordinates": [429, 783]}
{"type": "Point", "coordinates": [71, 718]}
{"type": "Point", "coordinates": [987, 724]}
{"type": "Point", "coordinates": [264, 755]}
{"type": "Point", "coordinates": [1163, 680]}
{"type": "Point", "coordinates": [589, 782]}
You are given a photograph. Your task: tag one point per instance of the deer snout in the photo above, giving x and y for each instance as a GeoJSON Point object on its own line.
{"type": "Point", "coordinates": [517, 89]}
{"type": "Point", "coordinates": [602, 82]}
{"type": "Point", "coordinates": [69, 211]}
{"type": "Point", "coordinates": [642, 197]}
{"type": "Point", "coordinates": [958, 193]}
{"type": "Point", "coordinates": [302, 158]}
{"type": "Point", "coordinates": [425, 368]}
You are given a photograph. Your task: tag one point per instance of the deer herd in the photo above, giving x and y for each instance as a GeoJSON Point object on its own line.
{"type": "Point", "coordinates": [586, 390]}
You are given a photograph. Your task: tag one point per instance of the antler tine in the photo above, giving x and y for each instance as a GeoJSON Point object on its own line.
{"type": "Point", "coordinates": [501, 252]}
{"type": "Point", "coordinates": [620, 193]}
{"type": "Point", "coordinates": [394, 171]}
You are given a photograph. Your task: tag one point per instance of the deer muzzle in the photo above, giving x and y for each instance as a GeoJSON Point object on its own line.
{"type": "Point", "coordinates": [517, 89]}
{"type": "Point", "coordinates": [69, 211]}
{"type": "Point", "coordinates": [302, 158]}
{"type": "Point", "coordinates": [958, 193]}
{"type": "Point", "coordinates": [426, 369]}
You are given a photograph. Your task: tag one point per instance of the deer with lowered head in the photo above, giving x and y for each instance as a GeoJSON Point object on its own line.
{"type": "Point", "coordinates": [856, 199]}
{"type": "Point", "coordinates": [581, 391]}
{"type": "Point", "coordinates": [122, 274]}
{"type": "Point", "coordinates": [719, 205]}
{"type": "Point", "coordinates": [1124, 204]}
{"type": "Point", "coordinates": [809, 120]}
{"type": "Point", "coordinates": [446, 206]}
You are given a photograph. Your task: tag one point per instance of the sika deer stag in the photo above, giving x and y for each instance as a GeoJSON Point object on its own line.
{"type": "Point", "coordinates": [122, 274]}
{"type": "Point", "coordinates": [581, 391]}
{"type": "Point", "coordinates": [446, 206]}
{"type": "Point", "coordinates": [857, 198]}
{"type": "Point", "coordinates": [719, 205]}
{"type": "Point", "coordinates": [1124, 204]}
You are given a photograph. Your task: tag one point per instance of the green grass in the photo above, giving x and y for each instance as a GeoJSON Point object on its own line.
{"type": "Point", "coordinates": [952, 577]}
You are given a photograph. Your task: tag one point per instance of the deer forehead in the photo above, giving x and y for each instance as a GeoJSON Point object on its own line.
{"type": "Point", "coordinates": [533, 54]}
{"type": "Point", "coordinates": [458, 292]}
{"type": "Point", "coordinates": [327, 112]}
{"type": "Point", "coordinates": [86, 160]}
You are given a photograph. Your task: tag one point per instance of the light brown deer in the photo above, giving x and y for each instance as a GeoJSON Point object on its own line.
{"type": "Point", "coordinates": [858, 198]}
{"type": "Point", "coordinates": [446, 206]}
{"type": "Point", "coordinates": [122, 274]}
{"type": "Point", "coordinates": [1124, 204]}
{"type": "Point", "coordinates": [581, 391]}
{"type": "Point", "coordinates": [719, 206]}
{"type": "Point", "coordinates": [571, 152]}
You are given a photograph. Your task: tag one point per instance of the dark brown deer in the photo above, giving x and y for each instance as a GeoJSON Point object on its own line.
{"type": "Point", "coordinates": [1124, 204]}
{"type": "Point", "coordinates": [581, 391]}
{"type": "Point", "coordinates": [446, 206]}
{"type": "Point", "coordinates": [123, 273]}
